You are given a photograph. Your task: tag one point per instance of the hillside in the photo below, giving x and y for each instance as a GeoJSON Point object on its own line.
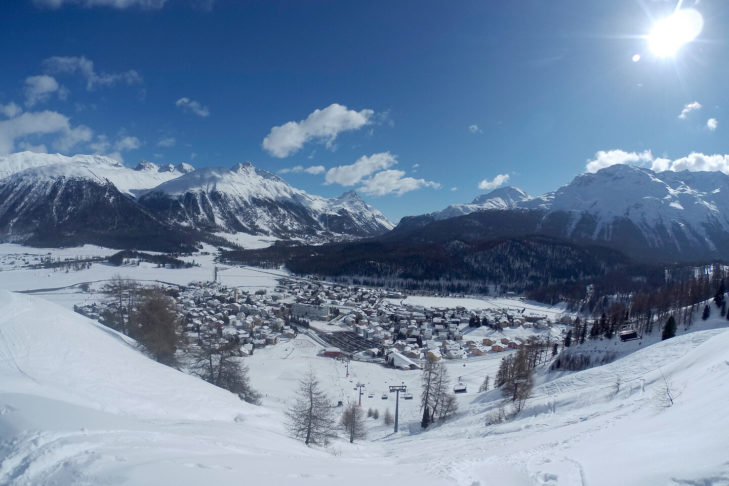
{"type": "Point", "coordinates": [81, 406]}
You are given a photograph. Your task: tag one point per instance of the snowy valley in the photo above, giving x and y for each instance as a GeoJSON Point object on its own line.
{"type": "Point", "coordinates": [82, 404]}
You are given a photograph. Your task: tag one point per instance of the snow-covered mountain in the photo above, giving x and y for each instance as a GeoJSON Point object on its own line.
{"type": "Point", "coordinates": [66, 204]}
{"type": "Point", "coordinates": [666, 215]}
{"type": "Point", "coordinates": [144, 176]}
{"type": "Point", "coordinates": [250, 200]}
{"type": "Point", "coordinates": [501, 199]}
{"type": "Point", "coordinates": [55, 200]}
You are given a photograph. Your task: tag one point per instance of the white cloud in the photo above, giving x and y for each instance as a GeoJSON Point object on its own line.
{"type": "Point", "coordinates": [712, 124]}
{"type": "Point", "coordinates": [11, 110]}
{"type": "Point", "coordinates": [40, 123]}
{"type": "Point", "coordinates": [85, 67]}
{"type": "Point", "coordinates": [186, 104]}
{"type": "Point", "coordinates": [167, 142]}
{"type": "Point", "coordinates": [127, 143]}
{"type": "Point", "coordinates": [349, 175]}
{"type": "Point", "coordinates": [499, 180]}
{"type": "Point", "coordinates": [118, 4]}
{"type": "Point", "coordinates": [474, 129]}
{"type": "Point", "coordinates": [454, 189]}
{"type": "Point", "coordinates": [688, 108]}
{"type": "Point", "coordinates": [694, 162]}
{"type": "Point", "coordinates": [320, 125]}
{"type": "Point", "coordinates": [392, 181]}
{"type": "Point", "coordinates": [40, 88]}
{"type": "Point", "coordinates": [72, 137]}
{"type": "Point", "coordinates": [298, 169]}
{"type": "Point", "coordinates": [39, 149]}
{"type": "Point", "coordinates": [103, 146]}
{"type": "Point", "coordinates": [606, 158]}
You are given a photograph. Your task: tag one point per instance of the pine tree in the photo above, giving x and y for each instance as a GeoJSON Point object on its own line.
{"type": "Point", "coordinates": [707, 313]}
{"type": "Point", "coordinates": [310, 416]}
{"type": "Point", "coordinates": [669, 330]}
{"type": "Point", "coordinates": [485, 385]}
{"type": "Point", "coordinates": [155, 323]}
{"type": "Point", "coordinates": [214, 361]}
{"type": "Point", "coordinates": [719, 296]}
{"type": "Point", "coordinates": [425, 422]}
{"type": "Point", "coordinates": [388, 418]}
{"type": "Point", "coordinates": [353, 422]}
{"type": "Point", "coordinates": [568, 339]}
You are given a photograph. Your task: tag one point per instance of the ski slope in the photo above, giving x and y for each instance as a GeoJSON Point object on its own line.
{"type": "Point", "coordinates": [79, 405]}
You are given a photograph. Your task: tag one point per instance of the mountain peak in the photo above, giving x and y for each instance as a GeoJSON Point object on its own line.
{"type": "Point", "coordinates": [185, 168]}
{"type": "Point", "coordinates": [509, 194]}
{"type": "Point", "coordinates": [242, 167]}
{"type": "Point", "coordinates": [351, 195]}
{"type": "Point", "coordinates": [147, 166]}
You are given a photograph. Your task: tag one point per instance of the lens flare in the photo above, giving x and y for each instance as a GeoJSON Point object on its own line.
{"type": "Point", "coordinates": [670, 33]}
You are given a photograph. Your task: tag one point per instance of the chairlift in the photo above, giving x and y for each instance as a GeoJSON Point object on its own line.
{"type": "Point", "coordinates": [460, 388]}
{"type": "Point", "coordinates": [384, 396]}
{"type": "Point", "coordinates": [407, 396]}
{"type": "Point", "coordinates": [628, 334]}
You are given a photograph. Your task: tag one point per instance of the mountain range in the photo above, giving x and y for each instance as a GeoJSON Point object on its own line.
{"type": "Point", "coordinates": [655, 216]}
{"type": "Point", "coordinates": [51, 199]}
{"type": "Point", "coordinates": [54, 200]}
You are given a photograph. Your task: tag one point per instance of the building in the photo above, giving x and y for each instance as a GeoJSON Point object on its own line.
{"type": "Point", "coordinates": [308, 311]}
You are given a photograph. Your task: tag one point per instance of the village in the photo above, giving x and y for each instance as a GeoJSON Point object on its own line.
{"type": "Point", "coordinates": [349, 322]}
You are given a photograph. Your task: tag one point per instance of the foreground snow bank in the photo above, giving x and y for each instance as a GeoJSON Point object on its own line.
{"type": "Point", "coordinates": [80, 406]}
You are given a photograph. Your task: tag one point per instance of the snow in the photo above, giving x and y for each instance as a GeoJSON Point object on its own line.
{"type": "Point", "coordinates": [79, 405]}
{"type": "Point", "coordinates": [24, 165]}
{"type": "Point", "coordinates": [517, 305]}
{"type": "Point", "coordinates": [244, 183]}
{"type": "Point", "coordinates": [502, 198]}
{"type": "Point", "coordinates": [654, 201]}
{"type": "Point", "coordinates": [65, 288]}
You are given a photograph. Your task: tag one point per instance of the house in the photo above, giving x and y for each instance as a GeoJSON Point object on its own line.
{"type": "Point", "coordinates": [331, 352]}
{"type": "Point", "coordinates": [400, 361]}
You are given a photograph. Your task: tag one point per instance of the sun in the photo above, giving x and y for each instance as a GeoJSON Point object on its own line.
{"type": "Point", "coordinates": [670, 33]}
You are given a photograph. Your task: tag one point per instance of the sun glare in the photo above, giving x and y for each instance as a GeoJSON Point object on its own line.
{"type": "Point", "coordinates": [670, 33]}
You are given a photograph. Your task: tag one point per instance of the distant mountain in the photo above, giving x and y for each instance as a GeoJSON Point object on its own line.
{"type": "Point", "coordinates": [61, 205]}
{"type": "Point", "coordinates": [502, 198]}
{"type": "Point", "coordinates": [666, 216]}
{"type": "Point", "coordinates": [144, 176]}
{"type": "Point", "coordinates": [53, 200]}
{"type": "Point", "coordinates": [250, 200]}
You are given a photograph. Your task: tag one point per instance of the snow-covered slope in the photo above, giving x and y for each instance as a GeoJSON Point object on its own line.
{"type": "Point", "coordinates": [666, 216]}
{"type": "Point", "coordinates": [79, 405]}
{"type": "Point", "coordinates": [502, 198]}
{"type": "Point", "coordinates": [94, 167]}
{"type": "Point", "coordinates": [609, 425]}
{"type": "Point", "coordinates": [246, 199]}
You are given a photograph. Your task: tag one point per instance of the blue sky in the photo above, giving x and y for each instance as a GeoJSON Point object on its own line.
{"type": "Point", "coordinates": [421, 103]}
